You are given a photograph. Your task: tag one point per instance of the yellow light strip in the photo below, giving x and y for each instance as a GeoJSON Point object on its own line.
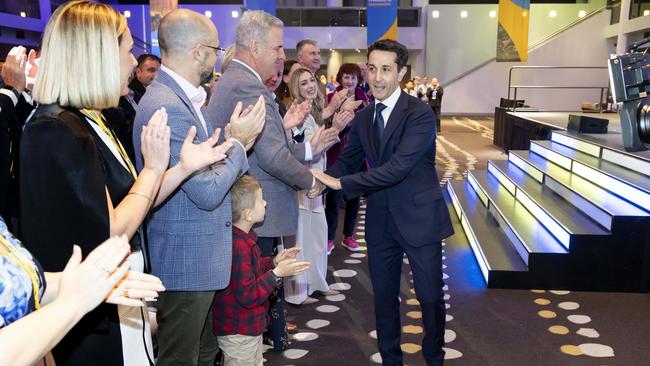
{"type": "Point", "coordinates": [454, 200]}
{"type": "Point", "coordinates": [626, 161]}
{"type": "Point", "coordinates": [585, 147]}
{"type": "Point", "coordinates": [625, 191]}
{"type": "Point", "coordinates": [552, 156]}
{"type": "Point", "coordinates": [502, 179]}
{"type": "Point", "coordinates": [523, 165]}
{"type": "Point", "coordinates": [549, 223]}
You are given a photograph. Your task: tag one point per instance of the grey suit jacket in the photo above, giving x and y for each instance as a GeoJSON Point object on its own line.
{"type": "Point", "coordinates": [275, 160]}
{"type": "Point", "coordinates": [190, 234]}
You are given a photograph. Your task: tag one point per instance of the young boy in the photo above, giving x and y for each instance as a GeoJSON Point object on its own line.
{"type": "Point", "coordinates": [239, 312]}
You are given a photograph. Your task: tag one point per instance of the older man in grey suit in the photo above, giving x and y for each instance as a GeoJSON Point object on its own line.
{"type": "Point", "coordinates": [190, 235]}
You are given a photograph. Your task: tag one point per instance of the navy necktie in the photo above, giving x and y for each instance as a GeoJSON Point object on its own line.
{"type": "Point", "coordinates": [378, 127]}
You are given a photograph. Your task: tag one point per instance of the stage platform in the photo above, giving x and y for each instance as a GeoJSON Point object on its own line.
{"type": "Point", "coordinates": [565, 210]}
{"type": "Point", "coordinates": [515, 130]}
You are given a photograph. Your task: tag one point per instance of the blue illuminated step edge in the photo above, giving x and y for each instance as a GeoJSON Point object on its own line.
{"type": "Point", "coordinates": [529, 169]}
{"type": "Point", "coordinates": [611, 183]}
{"type": "Point", "coordinates": [601, 216]}
{"type": "Point", "coordinates": [518, 243]}
{"type": "Point", "coordinates": [606, 153]}
{"type": "Point", "coordinates": [559, 231]}
{"type": "Point", "coordinates": [471, 237]}
{"type": "Point", "coordinates": [576, 144]}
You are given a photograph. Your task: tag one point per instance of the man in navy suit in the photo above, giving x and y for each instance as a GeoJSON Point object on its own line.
{"type": "Point", "coordinates": [406, 209]}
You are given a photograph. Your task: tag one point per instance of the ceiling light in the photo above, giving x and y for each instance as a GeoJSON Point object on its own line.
{"type": "Point", "coordinates": [493, 13]}
{"type": "Point", "coordinates": [208, 13]}
{"type": "Point", "coordinates": [23, 14]}
{"type": "Point", "coordinates": [435, 14]}
{"type": "Point", "coordinates": [235, 14]}
{"type": "Point", "coordinates": [552, 13]}
{"type": "Point", "coordinates": [463, 14]}
{"type": "Point", "coordinates": [127, 13]}
{"type": "Point", "coordinates": [646, 13]}
{"type": "Point", "coordinates": [582, 14]}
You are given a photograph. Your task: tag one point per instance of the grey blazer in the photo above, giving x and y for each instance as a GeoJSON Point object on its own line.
{"type": "Point", "coordinates": [190, 234]}
{"type": "Point", "coordinates": [275, 160]}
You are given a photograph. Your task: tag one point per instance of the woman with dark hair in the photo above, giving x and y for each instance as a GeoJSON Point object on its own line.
{"type": "Point", "coordinates": [282, 92]}
{"type": "Point", "coordinates": [349, 78]}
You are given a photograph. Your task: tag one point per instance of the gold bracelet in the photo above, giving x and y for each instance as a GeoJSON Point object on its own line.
{"type": "Point", "coordinates": [140, 194]}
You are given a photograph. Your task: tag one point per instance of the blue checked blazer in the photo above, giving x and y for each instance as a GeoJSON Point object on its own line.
{"type": "Point", "coordinates": [190, 235]}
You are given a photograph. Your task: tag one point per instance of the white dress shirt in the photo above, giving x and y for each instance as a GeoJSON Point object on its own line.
{"type": "Point", "coordinates": [196, 95]}
{"type": "Point", "coordinates": [389, 103]}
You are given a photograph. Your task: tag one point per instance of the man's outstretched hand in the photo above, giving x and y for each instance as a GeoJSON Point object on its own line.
{"type": "Point", "coordinates": [331, 182]}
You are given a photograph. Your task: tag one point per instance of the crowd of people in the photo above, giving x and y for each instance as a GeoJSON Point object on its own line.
{"type": "Point", "coordinates": [430, 93]}
{"type": "Point", "coordinates": [165, 217]}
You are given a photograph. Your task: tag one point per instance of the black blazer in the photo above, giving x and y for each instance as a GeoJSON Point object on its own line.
{"type": "Point", "coordinates": [439, 92]}
{"type": "Point", "coordinates": [402, 179]}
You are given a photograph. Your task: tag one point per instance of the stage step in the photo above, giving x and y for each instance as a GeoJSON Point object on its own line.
{"type": "Point", "coordinates": [596, 202]}
{"type": "Point", "coordinates": [562, 219]}
{"type": "Point", "coordinates": [498, 260]}
{"type": "Point", "coordinates": [608, 147]}
{"type": "Point", "coordinates": [627, 184]}
{"type": "Point", "coordinates": [528, 235]}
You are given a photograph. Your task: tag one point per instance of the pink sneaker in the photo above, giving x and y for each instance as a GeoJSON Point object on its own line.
{"type": "Point", "coordinates": [350, 244]}
{"type": "Point", "coordinates": [330, 246]}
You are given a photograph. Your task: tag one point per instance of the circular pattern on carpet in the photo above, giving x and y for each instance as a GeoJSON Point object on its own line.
{"type": "Point", "coordinates": [305, 336]}
{"type": "Point", "coordinates": [568, 305]}
{"type": "Point", "coordinates": [340, 286]}
{"type": "Point", "coordinates": [411, 348]}
{"type": "Point", "coordinates": [345, 273]}
{"type": "Point", "coordinates": [295, 353]}
{"type": "Point", "coordinates": [579, 319]}
{"type": "Point", "coordinates": [547, 314]}
{"type": "Point", "coordinates": [451, 353]}
{"type": "Point", "coordinates": [327, 309]}
{"type": "Point", "coordinates": [376, 358]}
{"type": "Point", "coordinates": [571, 350]}
{"type": "Point", "coordinates": [596, 350]}
{"type": "Point", "coordinates": [542, 301]}
{"type": "Point", "coordinates": [558, 329]}
{"type": "Point", "coordinates": [412, 302]}
{"type": "Point", "coordinates": [352, 261]}
{"type": "Point", "coordinates": [414, 314]}
{"type": "Point", "coordinates": [450, 335]}
{"type": "Point", "coordinates": [373, 334]}
{"type": "Point", "coordinates": [335, 298]}
{"type": "Point", "coordinates": [588, 332]}
{"type": "Point", "coordinates": [561, 293]}
{"type": "Point", "coordinates": [448, 318]}
{"type": "Point", "coordinates": [357, 255]}
{"type": "Point", "coordinates": [412, 329]}
{"type": "Point", "coordinates": [317, 323]}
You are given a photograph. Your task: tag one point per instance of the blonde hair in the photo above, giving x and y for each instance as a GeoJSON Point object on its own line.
{"type": "Point", "coordinates": [80, 58]}
{"type": "Point", "coordinates": [243, 195]}
{"type": "Point", "coordinates": [317, 103]}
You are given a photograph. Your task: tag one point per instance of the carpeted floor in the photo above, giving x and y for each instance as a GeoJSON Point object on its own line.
{"type": "Point", "coordinates": [484, 326]}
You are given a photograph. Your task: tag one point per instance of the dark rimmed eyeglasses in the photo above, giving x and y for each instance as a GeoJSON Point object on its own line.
{"type": "Point", "coordinates": [219, 50]}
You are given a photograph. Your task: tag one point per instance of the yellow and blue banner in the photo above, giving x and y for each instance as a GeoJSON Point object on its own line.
{"type": "Point", "coordinates": [382, 20]}
{"type": "Point", "coordinates": [512, 36]}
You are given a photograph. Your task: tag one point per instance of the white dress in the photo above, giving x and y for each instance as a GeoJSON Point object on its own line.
{"type": "Point", "coordinates": [311, 237]}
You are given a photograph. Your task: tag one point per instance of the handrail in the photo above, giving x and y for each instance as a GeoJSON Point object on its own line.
{"type": "Point", "coordinates": [530, 47]}
{"type": "Point", "coordinates": [516, 87]}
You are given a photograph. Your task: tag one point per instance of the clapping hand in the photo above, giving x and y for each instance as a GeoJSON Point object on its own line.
{"type": "Point", "coordinates": [247, 125]}
{"type": "Point", "coordinates": [331, 182]}
{"type": "Point", "coordinates": [338, 98]}
{"type": "Point", "coordinates": [342, 118]}
{"type": "Point", "coordinates": [323, 139]}
{"type": "Point", "coordinates": [134, 289]}
{"type": "Point", "coordinates": [290, 267]}
{"type": "Point", "coordinates": [286, 254]}
{"type": "Point", "coordinates": [351, 104]}
{"type": "Point", "coordinates": [31, 68]}
{"type": "Point", "coordinates": [154, 140]}
{"type": "Point", "coordinates": [194, 157]}
{"type": "Point", "coordinates": [13, 71]}
{"type": "Point", "coordinates": [296, 114]}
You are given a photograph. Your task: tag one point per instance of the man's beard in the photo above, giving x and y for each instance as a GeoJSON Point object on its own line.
{"type": "Point", "coordinates": [206, 76]}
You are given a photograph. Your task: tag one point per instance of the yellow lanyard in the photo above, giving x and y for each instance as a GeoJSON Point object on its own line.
{"type": "Point", "coordinates": [99, 119]}
{"type": "Point", "coordinates": [17, 258]}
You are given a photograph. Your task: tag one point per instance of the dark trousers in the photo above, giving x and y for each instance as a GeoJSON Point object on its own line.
{"type": "Point", "coordinates": [185, 329]}
{"type": "Point", "coordinates": [333, 200]}
{"type": "Point", "coordinates": [277, 330]}
{"type": "Point", "coordinates": [385, 262]}
{"type": "Point", "coordinates": [437, 112]}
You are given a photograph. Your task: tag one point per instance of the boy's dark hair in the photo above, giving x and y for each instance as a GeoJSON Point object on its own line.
{"type": "Point", "coordinates": [243, 195]}
{"type": "Point", "coordinates": [400, 51]}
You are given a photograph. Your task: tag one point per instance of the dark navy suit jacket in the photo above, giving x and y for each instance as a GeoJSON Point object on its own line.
{"type": "Point", "coordinates": [402, 180]}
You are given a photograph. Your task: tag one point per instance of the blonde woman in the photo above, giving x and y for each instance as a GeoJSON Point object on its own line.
{"type": "Point", "coordinates": [312, 225]}
{"type": "Point", "coordinates": [77, 183]}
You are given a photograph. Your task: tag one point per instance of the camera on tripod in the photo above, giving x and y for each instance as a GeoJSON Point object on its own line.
{"type": "Point", "coordinates": [629, 76]}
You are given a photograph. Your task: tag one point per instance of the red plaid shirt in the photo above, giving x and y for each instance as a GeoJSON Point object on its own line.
{"type": "Point", "coordinates": [242, 308]}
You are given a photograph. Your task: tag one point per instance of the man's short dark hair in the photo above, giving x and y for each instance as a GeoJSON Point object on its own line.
{"type": "Point", "coordinates": [400, 51]}
{"type": "Point", "coordinates": [146, 56]}
{"type": "Point", "coordinates": [304, 42]}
